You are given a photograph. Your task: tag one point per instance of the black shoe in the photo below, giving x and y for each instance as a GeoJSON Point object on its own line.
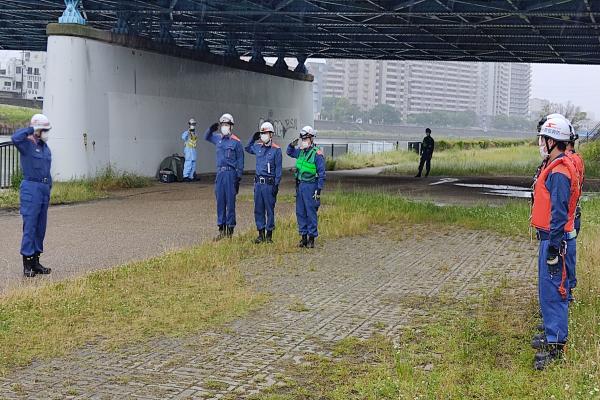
{"type": "Point", "coordinates": [269, 237]}
{"type": "Point", "coordinates": [311, 242]}
{"type": "Point", "coordinates": [418, 176]}
{"type": "Point", "coordinates": [39, 268]}
{"type": "Point", "coordinates": [539, 341]}
{"type": "Point", "coordinates": [261, 236]}
{"type": "Point", "coordinates": [303, 241]}
{"type": "Point", "coordinates": [186, 179]}
{"type": "Point", "coordinates": [229, 232]}
{"type": "Point", "coordinates": [555, 351]}
{"type": "Point", "coordinates": [221, 234]}
{"type": "Point", "coordinates": [28, 263]}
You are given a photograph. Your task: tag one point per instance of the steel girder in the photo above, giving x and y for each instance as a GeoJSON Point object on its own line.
{"type": "Point", "coordinates": [536, 31]}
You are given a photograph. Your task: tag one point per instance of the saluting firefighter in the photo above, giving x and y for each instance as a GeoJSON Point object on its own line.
{"type": "Point", "coordinates": [266, 181]}
{"type": "Point", "coordinates": [230, 167]}
{"type": "Point", "coordinates": [34, 196]}
{"type": "Point", "coordinates": [556, 193]}
{"type": "Point", "coordinates": [310, 179]}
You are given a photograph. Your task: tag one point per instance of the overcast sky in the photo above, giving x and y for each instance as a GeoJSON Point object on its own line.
{"type": "Point", "coordinates": [560, 83]}
{"type": "Point", "coordinates": [555, 82]}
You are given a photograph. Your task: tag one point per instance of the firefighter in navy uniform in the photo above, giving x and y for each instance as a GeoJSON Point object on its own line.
{"type": "Point", "coordinates": [36, 159]}
{"type": "Point", "coordinates": [230, 167]}
{"type": "Point", "coordinates": [310, 179]}
{"type": "Point", "coordinates": [556, 192]}
{"type": "Point", "coordinates": [266, 181]}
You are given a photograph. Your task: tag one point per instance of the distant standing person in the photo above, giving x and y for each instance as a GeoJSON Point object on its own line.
{"type": "Point", "coordinates": [191, 140]}
{"type": "Point", "coordinates": [35, 191]}
{"type": "Point", "coordinates": [426, 153]}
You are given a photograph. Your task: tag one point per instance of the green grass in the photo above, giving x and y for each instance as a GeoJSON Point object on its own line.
{"type": "Point", "coordinates": [493, 160]}
{"type": "Point", "coordinates": [81, 190]}
{"type": "Point", "coordinates": [13, 115]}
{"type": "Point", "coordinates": [476, 348]}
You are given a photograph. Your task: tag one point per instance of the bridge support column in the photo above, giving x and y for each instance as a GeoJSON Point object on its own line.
{"type": "Point", "coordinates": [123, 100]}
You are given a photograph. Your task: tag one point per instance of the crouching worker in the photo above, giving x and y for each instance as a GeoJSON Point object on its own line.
{"type": "Point", "coordinates": [555, 197]}
{"type": "Point", "coordinates": [266, 181]}
{"type": "Point", "coordinates": [35, 191]}
{"type": "Point", "coordinates": [310, 179]}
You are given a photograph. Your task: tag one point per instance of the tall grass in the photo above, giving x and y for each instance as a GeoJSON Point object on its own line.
{"type": "Point", "coordinates": [12, 115]}
{"type": "Point", "coordinates": [83, 189]}
{"type": "Point", "coordinates": [521, 160]}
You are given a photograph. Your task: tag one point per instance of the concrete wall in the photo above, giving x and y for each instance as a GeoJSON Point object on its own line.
{"type": "Point", "coordinates": [111, 104]}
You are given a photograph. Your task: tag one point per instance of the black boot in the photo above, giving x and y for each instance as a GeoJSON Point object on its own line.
{"type": "Point", "coordinates": [540, 327]}
{"type": "Point", "coordinates": [311, 242]}
{"type": "Point", "coordinates": [269, 237]}
{"type": "Point", "coordinates": [39, 268]}
{"type": "Point", "coordinates": [554, 351]}
{"type": "Point", "coordinates": [28, 263]}
{"type": "Point", "coordinates": [539, 341]}
{"type": "Point", "coordinates": [229, 232]}
{"type": "Point", "coordinates": [261, 236]}
{"type": "Point", "coordinates": [221, 234]}
{"type": "Point", "coordinates": [303, 241]}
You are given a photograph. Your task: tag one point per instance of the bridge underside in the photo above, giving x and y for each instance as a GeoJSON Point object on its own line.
{"type": "Point", "coordinates": [467, 30]}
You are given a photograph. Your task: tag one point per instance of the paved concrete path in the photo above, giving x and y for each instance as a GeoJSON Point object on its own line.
{"type": "Point", "coordinates": [348, 287]}
{"type": "Point", "coordinates": [132, 225]}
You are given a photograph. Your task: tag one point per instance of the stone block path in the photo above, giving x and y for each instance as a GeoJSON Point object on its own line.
{"type": "Point", "coordinates": [354, 286]}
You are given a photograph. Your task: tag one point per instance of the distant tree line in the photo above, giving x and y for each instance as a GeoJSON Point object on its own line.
{"type": "Point", "coordinates": [342, 110]}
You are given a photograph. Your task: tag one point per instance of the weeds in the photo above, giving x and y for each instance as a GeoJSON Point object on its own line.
{"type": "Point", "coordinates": [80, 190]}
{"type": "Point", "coordinates": [12, 115]}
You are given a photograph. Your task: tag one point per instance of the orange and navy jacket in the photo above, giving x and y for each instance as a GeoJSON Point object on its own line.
{"type": "Point", "coordinates": [555, 195]}
{"type": "Point", "coordinates": [579, 165]}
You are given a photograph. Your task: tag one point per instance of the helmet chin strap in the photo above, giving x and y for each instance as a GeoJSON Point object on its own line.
{"type": "Point", "coordinates": [549, 149]}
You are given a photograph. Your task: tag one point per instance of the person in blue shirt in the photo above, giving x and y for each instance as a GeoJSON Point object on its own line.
{"type": "Point", "coordinates": [310, 179]}
{"type": "Point", "coordinates": [555, 196]}
{"type": "Point", "coordinates": [230, 167]}
{"type": "Point", "coordinates": [189, 151]}
{"type": "Point", "coordinates": [36, 159]}
{"type": "Point", "coordinates": [266, 181]}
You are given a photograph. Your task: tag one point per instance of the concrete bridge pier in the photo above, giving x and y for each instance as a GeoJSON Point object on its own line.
{"type": "Point", "coordinates": [123, 100]}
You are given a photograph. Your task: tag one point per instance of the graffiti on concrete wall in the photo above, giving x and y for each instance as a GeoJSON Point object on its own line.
{"type": "Point", "coordinates": [282, 127]}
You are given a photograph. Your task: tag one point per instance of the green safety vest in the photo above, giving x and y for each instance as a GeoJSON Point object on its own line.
{"type": "Point", "coordinates": [306, 167]}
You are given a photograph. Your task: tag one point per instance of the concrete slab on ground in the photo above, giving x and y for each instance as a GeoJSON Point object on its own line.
{"type": "Point", "coordinates": [355, 286]}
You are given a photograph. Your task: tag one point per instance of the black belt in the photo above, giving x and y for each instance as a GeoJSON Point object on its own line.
{"type": "Point", "coordinates": [542, 235]}
{"type": "Point", "coordinates": [39, 180]}
{"type": "Point", "coordinates": [264, 180]}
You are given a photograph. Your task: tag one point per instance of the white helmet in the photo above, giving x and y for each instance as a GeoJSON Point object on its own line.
{"type": "Point", "coordinates": [192, 121]}
{"type": "Point", "coordinates": [267, 127]}
{"type": "Point", "coordinates": [307, 131]}
{"type": "Point", "coordinates": [558, 129]}
{"type": "Point", "coordinates": [226, 118]}
{"type": "Point", "coordinates": [40, 121]}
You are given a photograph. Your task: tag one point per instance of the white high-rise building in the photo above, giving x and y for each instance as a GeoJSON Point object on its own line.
{"type": "Point", "coordinates": [412, 87]}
